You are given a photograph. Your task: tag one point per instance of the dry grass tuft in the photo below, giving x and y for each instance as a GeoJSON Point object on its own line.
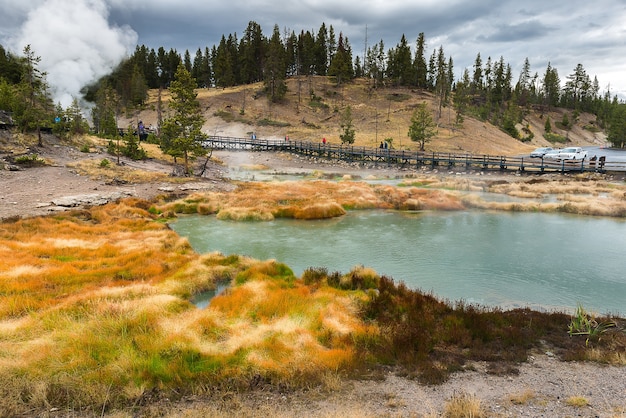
{"type": "Point", "coordinates": [577, 401]}
{"type": "Point", "coordinates": [464, 405]}
{"type": "Point", "coordinates": [522, 398]}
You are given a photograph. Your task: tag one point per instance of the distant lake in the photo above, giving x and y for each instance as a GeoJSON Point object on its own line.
{"type": "Point", "coordinates": [542, 261]}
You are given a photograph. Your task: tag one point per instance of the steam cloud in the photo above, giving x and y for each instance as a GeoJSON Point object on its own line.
{"type": "Point", "coordinates": [76, 44]}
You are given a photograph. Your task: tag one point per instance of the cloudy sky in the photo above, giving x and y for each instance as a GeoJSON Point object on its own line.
{"type": "Point", "coordinates": [80, 40]}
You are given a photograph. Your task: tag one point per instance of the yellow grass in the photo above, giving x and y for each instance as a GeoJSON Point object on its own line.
{"type": "Point", "coordinates": [316, 199]}
{"type": "Point", "coordinates": [523, 397]}
{"type": "Point", "coordinates": [577, 401]}
{"type": "Point", "coordinates": [112, 171]}
{"type": "Point", "coordinates": [464, 405]}
{"type": "Point", "coordinates": [319, 199]}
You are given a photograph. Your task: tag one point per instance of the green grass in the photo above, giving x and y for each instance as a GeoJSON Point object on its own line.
{"type": "Point", "coordinates": [555, 138]}
{"type": "Point", "coordinates": [270, 122]}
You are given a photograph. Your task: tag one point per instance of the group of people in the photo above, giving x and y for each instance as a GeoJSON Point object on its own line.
{"type": "Point", "coordinates": [384, 145]}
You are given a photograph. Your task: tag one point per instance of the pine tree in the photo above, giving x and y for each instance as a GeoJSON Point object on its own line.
{"type": "Point", "coordinates": [33, 106]}
{"type": "Point", "coordinates": [291, 55]}
{"type": "Point", "coordinates": [461, 96]}
{"type": "Point", "coordinates": [10, 67]}
{"type": "Point", "coordinates": [320, 51]}
{"type": "Point", "coordinates": [275, 67]}
{"type": "Point", "coordinates": [551, 87]}
{"type": "Point", "coordinates": [477, 80]}
{"type": "Point", "coordinates": [252, 53]}
{"type": "Point", "coordinates": [138, 87]}
{"type": "Point", "coordinates": [422, 127]}
{"type": "Point", "coordinates": [617, 127]}
{"type": "Point", "coordinates": [442, 80]}
{"type": "Point", "coordinates": [187, 61]}
{"type": "Point", "coordinates": [104, 113]}
{"type": "Point", "coordinates": [348, 133]}
{"type": "Point", "coordinates": [77, 123]}
{"type": "Point", "coordinates": [223, 71]}
{"type": "Point", "coordinates": [548, 126]}
{"type": "Point", "coordinates": [403, 63]}
{"type": "Point", "coordinates": [577, 89]}
{"type": "Point", "coordinates": [332, 43]}
{"type": "Point", "coordinates": [341, 65]}
{"type": "Point", "coordinates": [152, 73]}
{"type": "Point", "coordinates": [182, 132]}
{"type": "Point", "coordinates": [421, 69]}
{"type": "Point", "coordinates": [306, 53]}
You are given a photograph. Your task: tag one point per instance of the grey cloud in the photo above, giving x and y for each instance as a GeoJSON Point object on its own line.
{"type": "Point", "coordinates": [520, 32]}
{"type": "Point", "coordinates": [563, 33]}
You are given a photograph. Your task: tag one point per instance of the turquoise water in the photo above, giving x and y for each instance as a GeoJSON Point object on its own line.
{"type": "Point", "coordinates": [541, 261]}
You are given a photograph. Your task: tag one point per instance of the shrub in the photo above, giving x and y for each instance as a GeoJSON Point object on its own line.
{"type": "Point", "coordinates": [583, 323]}
{"type": "Point", "coordinates": [29, 160]}
{"type": "Point", "coordinates": [269, 122]}
{"type": "Point", "coordinates": [555, 138]}
{"type": "Point", "coordinates": [398, 97]}
{"type": "Point", "coordinates": [314, 275]}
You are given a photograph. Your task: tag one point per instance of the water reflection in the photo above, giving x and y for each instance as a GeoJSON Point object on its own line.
{"type": "Point", "coordinates": [542, 261]}
{"type": "Point", "coordinates": [202, 300]}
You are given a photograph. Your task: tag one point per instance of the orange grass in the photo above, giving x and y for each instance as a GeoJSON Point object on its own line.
{"type": "Point", "coordinates": [316, 199]}
{"type": "Point", "coordinates": [43, 260]}
{"type": "Point", "coordinates": [319, 199]}
{"type": "Point", "coordinates": [95, 311]}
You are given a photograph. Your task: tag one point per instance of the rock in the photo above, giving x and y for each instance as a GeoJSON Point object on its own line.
{"type": "Point", "coordinates": [93, 199]}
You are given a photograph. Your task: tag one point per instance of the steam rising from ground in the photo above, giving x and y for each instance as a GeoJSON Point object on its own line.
{"type": "Point", "coordinates": [75, 42]}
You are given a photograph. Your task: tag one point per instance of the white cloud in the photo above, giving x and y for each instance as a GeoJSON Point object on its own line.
{"type": "Point", "coordinates": [76, 43]}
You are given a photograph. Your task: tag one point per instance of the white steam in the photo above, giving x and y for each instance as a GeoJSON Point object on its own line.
{"type": "Point", "coordinates": [76, 44]}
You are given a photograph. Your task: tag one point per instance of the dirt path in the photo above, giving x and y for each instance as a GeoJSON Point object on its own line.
{"type": "Point", "coordinates": [56, 186]}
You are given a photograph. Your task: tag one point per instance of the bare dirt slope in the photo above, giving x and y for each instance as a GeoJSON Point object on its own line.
{"type": "Point", "coordinates": [313, 107]}
{"type": "Point", "coordinates": [58, 184]}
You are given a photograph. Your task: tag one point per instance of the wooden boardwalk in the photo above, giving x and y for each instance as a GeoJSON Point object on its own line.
{"type": "Point", "coordinates": [415, 159]}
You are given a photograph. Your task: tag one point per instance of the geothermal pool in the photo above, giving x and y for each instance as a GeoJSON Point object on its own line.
{"type": "Point", "coordinates": [542, 261]}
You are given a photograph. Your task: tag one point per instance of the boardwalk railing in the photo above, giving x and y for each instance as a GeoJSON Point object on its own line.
{"type": "Point", "coordinates": [403, 158]}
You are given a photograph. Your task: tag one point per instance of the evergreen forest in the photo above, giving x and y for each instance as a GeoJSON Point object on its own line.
{"type": "Point", "coordinates": [489, 91]}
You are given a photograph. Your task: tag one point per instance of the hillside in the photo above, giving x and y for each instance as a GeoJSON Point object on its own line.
{"type": "Point", "coordinates": [377, 114]}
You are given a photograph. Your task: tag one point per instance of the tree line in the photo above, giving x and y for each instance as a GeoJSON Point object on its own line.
{"type": "Point", "coordinates": [25, 94]}
{"type": "Point", "coordinates": [489, 90]}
